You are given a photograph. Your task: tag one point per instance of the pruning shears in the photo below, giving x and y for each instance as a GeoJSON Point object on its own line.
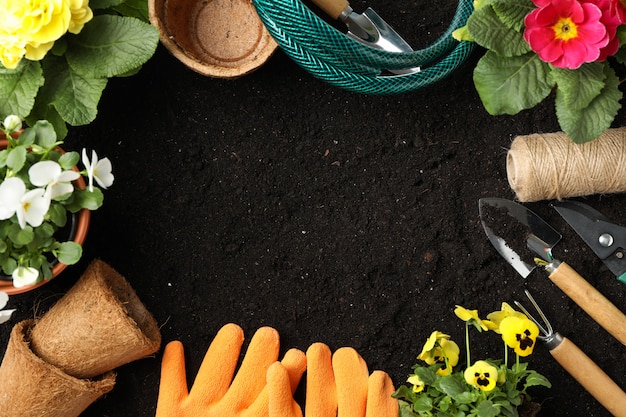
{"type": "Point", "coordinates": [605, 238]}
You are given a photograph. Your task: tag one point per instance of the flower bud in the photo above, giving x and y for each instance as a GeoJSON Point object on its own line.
{"type": "Point", "coordinates": [12, 123]}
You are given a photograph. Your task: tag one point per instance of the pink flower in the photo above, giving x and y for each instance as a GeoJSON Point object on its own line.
{"type": "Point", "coordinates": [612, 16]}
{"type": "Point", "coordinates": [566, 33]}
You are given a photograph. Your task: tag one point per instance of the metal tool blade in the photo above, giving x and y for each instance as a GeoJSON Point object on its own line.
{"type": "Point", "coordinates": [605, 238]}
{"type": "Point", "coordinates": [539, 236]}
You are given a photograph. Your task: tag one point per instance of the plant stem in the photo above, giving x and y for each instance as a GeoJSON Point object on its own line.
{"type": "Point", "coordinates": [467, 344]}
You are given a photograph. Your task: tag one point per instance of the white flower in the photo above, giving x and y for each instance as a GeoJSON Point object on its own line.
{"type": "Point", "coordinates": [30, 206]}
{"type": "Point", "coordinates": [24, 276]}
{"type": "Point", "coordinates": [5, 315]}
{"type": "Point", "coordinates": [50, 175]}
{"type": "Point", "coordinates": [12, 123]}
{"type": "Point", "coordinates": [100, 170]}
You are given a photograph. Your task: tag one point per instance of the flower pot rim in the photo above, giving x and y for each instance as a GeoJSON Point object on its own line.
{"type": "Point", "coordinates": [82, 226]}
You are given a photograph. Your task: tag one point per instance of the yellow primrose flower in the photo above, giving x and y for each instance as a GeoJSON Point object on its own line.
{"type": "Point", "coordinates": [437, 349]}
{"type": "Point", "coordinates": [418, 384]}
{"type": "Point", "coordinates": [470, 316]}
{"type": "Point", "coordinates": [482, 375]}
{"type": "Point", "coordinates": [494, 319]}
{"type": "Point", "coordinates": [11, 51]}
{"type": "Point", "coordinates": [519, 334]}
{"type": "Point", "coordinates": [81, 14]}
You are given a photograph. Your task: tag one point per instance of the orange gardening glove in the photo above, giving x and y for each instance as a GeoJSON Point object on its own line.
{"type": "Point", "coordinates": [261, 382]}
{"type": "Point", "coordinates": [341, 386]}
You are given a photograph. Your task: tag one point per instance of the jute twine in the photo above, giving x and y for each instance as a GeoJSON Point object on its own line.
{"type": "Point", "coordinates": [99, 325]}
{"type": "Point", "coordinates": [31, 387]}
{"type": "Point", "coordinates": [551, 166]}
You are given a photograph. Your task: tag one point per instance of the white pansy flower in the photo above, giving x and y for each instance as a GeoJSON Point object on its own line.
{"type": "Point", "coordinates": [100, 170]}
{"type": "Point", "coordinates": [11, 191]}
{"type": "Point", "coordinates": [49, 174]}
{"type": "Point", "coordinates": [30, 206]}
{"type": "Point", "coordinates": [24, 276]}
{"type": "Point", "coordinates": [5, 315]}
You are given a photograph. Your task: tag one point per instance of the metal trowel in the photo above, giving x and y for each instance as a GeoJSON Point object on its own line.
{"type": "Point", "coordinates": [368, 28]}
{"type": "Point", "coordinates": [536, 237]}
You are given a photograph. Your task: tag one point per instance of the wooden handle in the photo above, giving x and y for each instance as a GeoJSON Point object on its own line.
{"type": "Point", "coordinates": [591, 300]}
{"type": "Point", "coordinates": [591, 377]}
{"type": "Point", "coordinates": [332, 8]}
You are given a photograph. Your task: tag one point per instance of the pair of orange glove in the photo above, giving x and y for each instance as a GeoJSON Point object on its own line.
{"type": "Point", "coordinates": [337, 385]}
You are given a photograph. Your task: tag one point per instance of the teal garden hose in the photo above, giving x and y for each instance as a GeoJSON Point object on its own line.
{"type": "Point", "coordinates": [333, 57]}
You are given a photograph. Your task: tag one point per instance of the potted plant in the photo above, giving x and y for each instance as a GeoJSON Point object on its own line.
{"type": "Point", "coordinates": [42, 192]}
{"type": "Point", "coordinates": [483, 388]}
{"type": "Point", "coordinates": [572, 50]}
{"type": "Point", "coordinates": [56, 56]}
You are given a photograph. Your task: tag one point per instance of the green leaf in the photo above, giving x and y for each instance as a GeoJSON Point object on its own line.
{"type": "Point", "coordinates": [536, 379]}
{"type": "Point", "coordinates": [490, 32]}
{"type": "Point", "coordinates": [69, 160]}
{"type": "Point", "coordinates": [134, 8]}
{"type": "Point", "coordinates": [406, 410]}
{"type": "Point", "coordinates": [69, 253]}
{"type": "Point", "coordinates": [8, 265]}
{"type": "Point", "coordinates": [584, 125]}
{"type": "Point", "coordinates": [44, 111]}
{"type": "Point", "coordinates": [75, 96]}
{"type": "Point", "coordinates": [513, 12]}
{"type": "Point", "coordinates": [3, 246]}
{"type": "Point", "coordinates": [580, 86]}
{"type": "Point", "coordinates": [487, 409]}
{"type": "Point", "coordinates": [58, 214]}
{"type": "Point", "coordinates": [45, 135]}
{"type": "Point", "coordinates": [423, 404]}
{"type": "Point", "coordinates": [111, 45]}
{"type": "Point", "coordinates": [451, 386]}
{"type": "Point", "coordinates": [16, 158]}
{"type": "Point", "coordinates": [18, 88]}
{"type": "Point", "coordinates": [91, 200]}
{"type": "Point", "coordinates": [509, 85]}
{"type": "Point", "coordinates": [20, 236]}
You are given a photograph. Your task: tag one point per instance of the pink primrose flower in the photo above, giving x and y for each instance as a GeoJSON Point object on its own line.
{"type": "Point", "coordinates": [613, 14]}
{"type": "Point", "coordinates": [566, 33]}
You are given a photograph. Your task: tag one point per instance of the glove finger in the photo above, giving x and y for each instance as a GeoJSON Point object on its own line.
{"type": "Point", "coordinates": [173, 384]}
{"type": "Point", "coordinates": [250, 379]}
{"type": "Point", "coordinates": [321, 394]}
{"type": "Point", "coordinates": [294, 363]}
{"type": "Point", "coordinates": [380, 403]}
{"type": "Point", "coordinates": [218, 366]}
{"type": "Point", "coordinates": [351, 377]}
{"type": "Point", "coordinates": [280, 394]}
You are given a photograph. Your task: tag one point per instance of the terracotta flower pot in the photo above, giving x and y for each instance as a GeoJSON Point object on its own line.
{"type": "Point", "coordinates": [79, 233]}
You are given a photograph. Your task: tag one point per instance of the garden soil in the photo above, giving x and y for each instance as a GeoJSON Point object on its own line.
{"type": "Point", "coordinates": [279, 200]}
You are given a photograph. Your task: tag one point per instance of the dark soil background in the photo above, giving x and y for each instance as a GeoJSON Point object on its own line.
{"type": "Point", "coordinates": [279, 200]}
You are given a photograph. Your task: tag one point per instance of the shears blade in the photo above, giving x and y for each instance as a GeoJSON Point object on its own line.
{"type": "Point", "coordinates": [605, 238]}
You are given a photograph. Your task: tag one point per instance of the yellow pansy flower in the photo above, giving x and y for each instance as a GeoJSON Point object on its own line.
{"type": "Point", "coordinates": [418, 384]}
{"type": "Point", "coordinates": [519, 334]}
{"type": "Point", "coordinates": [440, 349]}
{"type": "Point", "coordinates": [494, 319]}
{"type": "Point", "coordinates": [482, 375]}
{"type": "Point", "coordinates": [470, 316]}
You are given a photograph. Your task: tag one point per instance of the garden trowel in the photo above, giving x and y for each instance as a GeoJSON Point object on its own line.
{"type": "Point", "coordinates": [526, 230]}
{"type": "Point", "coordinates": [368, 28]}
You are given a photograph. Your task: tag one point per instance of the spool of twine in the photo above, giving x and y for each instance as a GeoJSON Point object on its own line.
{"type": "Point", "coordinates": [99, 325]}
{"type": "Point", "coordinates": [31, 387]}
{"type": "Point", "coordinates": [551, 166]}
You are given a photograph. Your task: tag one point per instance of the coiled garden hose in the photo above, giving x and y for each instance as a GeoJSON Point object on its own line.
{"type": "Point", "coordinates": [333, 57]}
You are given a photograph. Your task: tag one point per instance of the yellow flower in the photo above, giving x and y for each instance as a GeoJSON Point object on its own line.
{"type": "Point", "coordinates": [519, 334]}
{"type": "Point", "coordinates": [11, 51]}
{"type": "Point", "coordinates": [440, 349]}
{"type": "Point", "coordinates": [418, 384]}
{"type": "Point", "coordinates": [494, 319]}
{"type": "Point", "coordinates": [81, 14]}
{"type": "Point", "coordinates": [471, 317]}
{"type": "Point", "coordinates": [482, 375]}
{"type": "Point", "coordinates": [35, 25]}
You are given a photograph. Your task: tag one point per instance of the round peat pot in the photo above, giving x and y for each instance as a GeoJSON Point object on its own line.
{"type": "Point", "coordinates": [217, 38]}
